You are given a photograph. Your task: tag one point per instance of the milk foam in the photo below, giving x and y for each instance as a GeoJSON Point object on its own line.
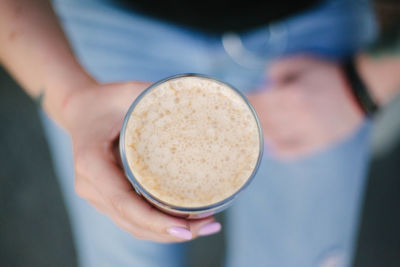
{"type": "Point", "coordinates": [192, 142]}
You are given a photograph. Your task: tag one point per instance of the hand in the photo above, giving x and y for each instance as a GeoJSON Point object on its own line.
{"type": "Point", "coordinates": [307, 106]}
{"type": "Point", "coordinates": [94, 117]}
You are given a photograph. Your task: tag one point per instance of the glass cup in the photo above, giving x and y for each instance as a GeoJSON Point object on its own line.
{"type": "Point", "coordinates": [181, 211]}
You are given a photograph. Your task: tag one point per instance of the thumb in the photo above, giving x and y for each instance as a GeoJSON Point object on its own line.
{"type": "Point", "coordinates": [287, 69]}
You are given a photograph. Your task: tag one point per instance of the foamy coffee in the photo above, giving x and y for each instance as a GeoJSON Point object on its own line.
{"type": "Point", "coordinates": [192, 141]}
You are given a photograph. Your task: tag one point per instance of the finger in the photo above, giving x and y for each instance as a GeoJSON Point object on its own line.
{"type": "Point", "coordinates": [124, 202]}
{"type": "Point", "coordinates": [144, 234]}
{"type": "Point", "coordinates": [86, 190]}
{"type": "Point", "coordinates": [204, 227]}
{"type": "Point", "coordinates": [139, 232]}
{"type": "Point", "coordinates": [198, 227]}
{"type": "Point", "coordinates": [137, 211]}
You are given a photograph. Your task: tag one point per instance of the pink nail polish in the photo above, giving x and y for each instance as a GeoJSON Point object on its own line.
{"type": "Point", "coordinates": [180, 232]}
{"type": "Point", "coordinates": [209, 229]}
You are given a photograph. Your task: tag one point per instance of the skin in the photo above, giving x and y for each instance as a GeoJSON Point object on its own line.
{"type": "Point", "coordinates": [381, 73]}
{"type": "Point", "coordinates": [309, 106]}
{"type": "Point", "coordinates": [306, 107]}
{"type": "Point", "coordinates": [35, 51]}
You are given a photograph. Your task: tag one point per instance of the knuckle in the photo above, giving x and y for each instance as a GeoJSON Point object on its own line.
{"type": "Point", "coordinates": [139, 235]}
{"type": "Point", "coordinates": [150, 221]}
{"type": "Point", "coordinates": [118, 204]}
{"type": "Point", "coordinates": [153, 227]}
{"type": "Point", "coordinates": [153, 224]}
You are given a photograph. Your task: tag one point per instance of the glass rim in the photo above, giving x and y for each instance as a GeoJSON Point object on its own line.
{"type": "Point", "coordinates": [160, 202]}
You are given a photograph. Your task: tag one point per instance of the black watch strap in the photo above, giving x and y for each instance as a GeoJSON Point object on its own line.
{"type": "Point", "coordinates": [359, 89]}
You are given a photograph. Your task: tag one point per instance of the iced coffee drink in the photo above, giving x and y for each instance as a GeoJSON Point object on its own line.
{"type": "Point", "coordinates": [190, 142]}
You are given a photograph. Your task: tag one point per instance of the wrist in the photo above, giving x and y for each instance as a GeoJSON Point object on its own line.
{"type": "Point", "coordinates": [359, 90]}
{"type": "Point", "coordinates": [59, 86]}
{"type": "Point", "coordinates": [381, 76]}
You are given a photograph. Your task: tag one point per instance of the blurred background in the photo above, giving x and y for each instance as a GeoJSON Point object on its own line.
{"type": "Point", "coordinates": [34, 227]}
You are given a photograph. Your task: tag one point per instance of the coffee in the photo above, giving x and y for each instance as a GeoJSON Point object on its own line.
{"type": "Point", "coordinates": [192, 141]}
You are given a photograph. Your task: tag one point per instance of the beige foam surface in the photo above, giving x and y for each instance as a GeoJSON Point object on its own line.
{"type": "Point", "coordinates": [192, 142]}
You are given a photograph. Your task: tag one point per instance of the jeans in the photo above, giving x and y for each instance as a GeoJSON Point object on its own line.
{"type": "Point", "coordinates": [300, 213]}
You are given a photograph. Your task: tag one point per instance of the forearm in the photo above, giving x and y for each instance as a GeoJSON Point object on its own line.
{"type": "Point", "coordinates": [379, 67]}
{"type": "Point", "coordinates": [34, 50]}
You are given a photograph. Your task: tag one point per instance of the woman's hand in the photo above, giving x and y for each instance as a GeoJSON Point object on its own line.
{"type": "Point", "coordinates": [307, 106]}
{"type": "Point", "coordinates": [94, 117]}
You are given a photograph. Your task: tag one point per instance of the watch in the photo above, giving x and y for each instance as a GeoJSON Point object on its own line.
{"type": "Point", "coordinates": [359, 89]}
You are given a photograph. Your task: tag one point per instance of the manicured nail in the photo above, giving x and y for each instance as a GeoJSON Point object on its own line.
{"type": "Point", "coordinates": [180, 232]}
{"type": "Point", "coordinates": [209, 229]}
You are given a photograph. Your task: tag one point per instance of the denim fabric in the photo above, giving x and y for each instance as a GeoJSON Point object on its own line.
{"type": "Point", "coordinates": [301, 213]}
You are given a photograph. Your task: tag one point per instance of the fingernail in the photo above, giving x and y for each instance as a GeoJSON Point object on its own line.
{"type": "Point", "coordinates": [209, 229]}
{"type": "Point", "coordinates": [180, 232]}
